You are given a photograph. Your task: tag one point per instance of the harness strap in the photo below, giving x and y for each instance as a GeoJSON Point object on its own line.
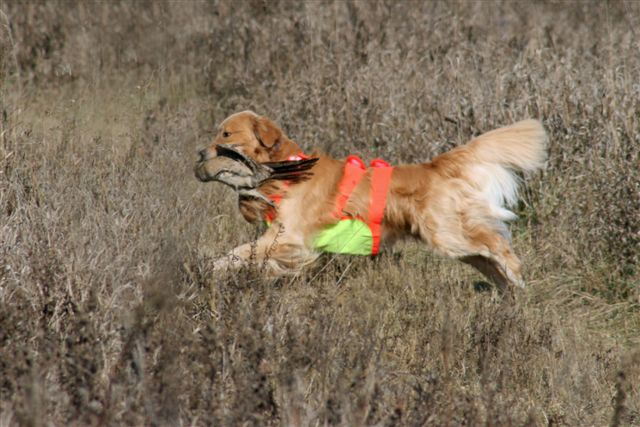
{"type": "Point", "coordinates": [354, 170]}
{"type": "Point", "coordinates": [380, 179]}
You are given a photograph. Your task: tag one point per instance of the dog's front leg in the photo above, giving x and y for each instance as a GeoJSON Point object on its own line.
{"type": "Point", "coordinates": [275, 250]}
{"type": "Point", "coordinates": [241, 256]}
{"type": "Point", "coordinates": [233, 259]}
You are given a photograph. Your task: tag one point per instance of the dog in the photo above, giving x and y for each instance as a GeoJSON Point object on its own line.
{"type": "Point", "coordinates": [457, 204]}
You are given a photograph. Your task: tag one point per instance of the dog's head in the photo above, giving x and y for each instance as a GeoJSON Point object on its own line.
{"type": "Point", "coordinates": [256, 136]}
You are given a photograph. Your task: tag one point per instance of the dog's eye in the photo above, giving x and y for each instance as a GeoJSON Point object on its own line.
{"type": "Point", "coordinates": [226, 134]}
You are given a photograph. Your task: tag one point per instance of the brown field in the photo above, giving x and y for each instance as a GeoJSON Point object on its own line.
{"type": "Point", "coordinates": [108, 316]}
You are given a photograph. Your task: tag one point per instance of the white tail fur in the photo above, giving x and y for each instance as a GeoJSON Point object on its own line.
{"type": "Point", "coordinates": [519, 147]}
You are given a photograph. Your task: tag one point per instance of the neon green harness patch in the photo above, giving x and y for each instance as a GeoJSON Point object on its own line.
{"type": "Point", "coordinates": [347, 236]}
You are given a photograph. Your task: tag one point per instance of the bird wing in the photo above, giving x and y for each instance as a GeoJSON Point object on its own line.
{"type": "Point", "coordinates": [290, 170]}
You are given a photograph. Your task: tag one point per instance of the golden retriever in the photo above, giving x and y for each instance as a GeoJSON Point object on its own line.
{"type": "Point", "coordinates": [455, 203]}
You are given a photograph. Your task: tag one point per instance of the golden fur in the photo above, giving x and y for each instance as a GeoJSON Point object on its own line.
{"type": "Point", "coordinates": [455, 203]}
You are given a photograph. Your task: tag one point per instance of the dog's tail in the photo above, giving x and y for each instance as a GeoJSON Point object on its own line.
{"type": "Point", "coordinates": [492, 159]}
{"type": "Point", "coordinates": [521, 146]}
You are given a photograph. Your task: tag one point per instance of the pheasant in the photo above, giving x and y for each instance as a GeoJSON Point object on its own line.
{"type": "Point", "coordinates": [233, 168]}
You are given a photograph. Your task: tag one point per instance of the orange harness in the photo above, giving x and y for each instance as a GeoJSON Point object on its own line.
{"type": "Point", "coordinates": [359, 240]}
{"type": "Point", "coordinates": [354, 171]}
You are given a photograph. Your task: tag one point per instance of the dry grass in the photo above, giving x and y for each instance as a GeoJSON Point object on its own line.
{"type": "Point", "coordinates": [107, 316]}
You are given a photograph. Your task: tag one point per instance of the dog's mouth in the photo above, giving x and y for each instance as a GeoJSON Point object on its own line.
{"type": "Point", "coordinates": [234, 168]}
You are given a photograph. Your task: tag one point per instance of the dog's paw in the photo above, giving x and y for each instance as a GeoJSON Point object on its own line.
{"type": "Point", "coordinates": [516, 279]}
{"type": "Point", "coordinates": [221, 263]}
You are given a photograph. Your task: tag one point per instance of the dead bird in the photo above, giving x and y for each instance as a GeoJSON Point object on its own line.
{"type": "Point", "coordinates": [233, 168]}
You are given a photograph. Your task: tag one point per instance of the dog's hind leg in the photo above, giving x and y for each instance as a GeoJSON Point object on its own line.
{"type": "Point", "coordinates": [489, 269]}
{"type": "Point", "coordinates": [485, 248]}
{"type": "Point", "coordinates": [499, 262]}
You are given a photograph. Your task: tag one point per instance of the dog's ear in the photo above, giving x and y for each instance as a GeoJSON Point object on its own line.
{"type": "Point", "coordinates": [268, 133]}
